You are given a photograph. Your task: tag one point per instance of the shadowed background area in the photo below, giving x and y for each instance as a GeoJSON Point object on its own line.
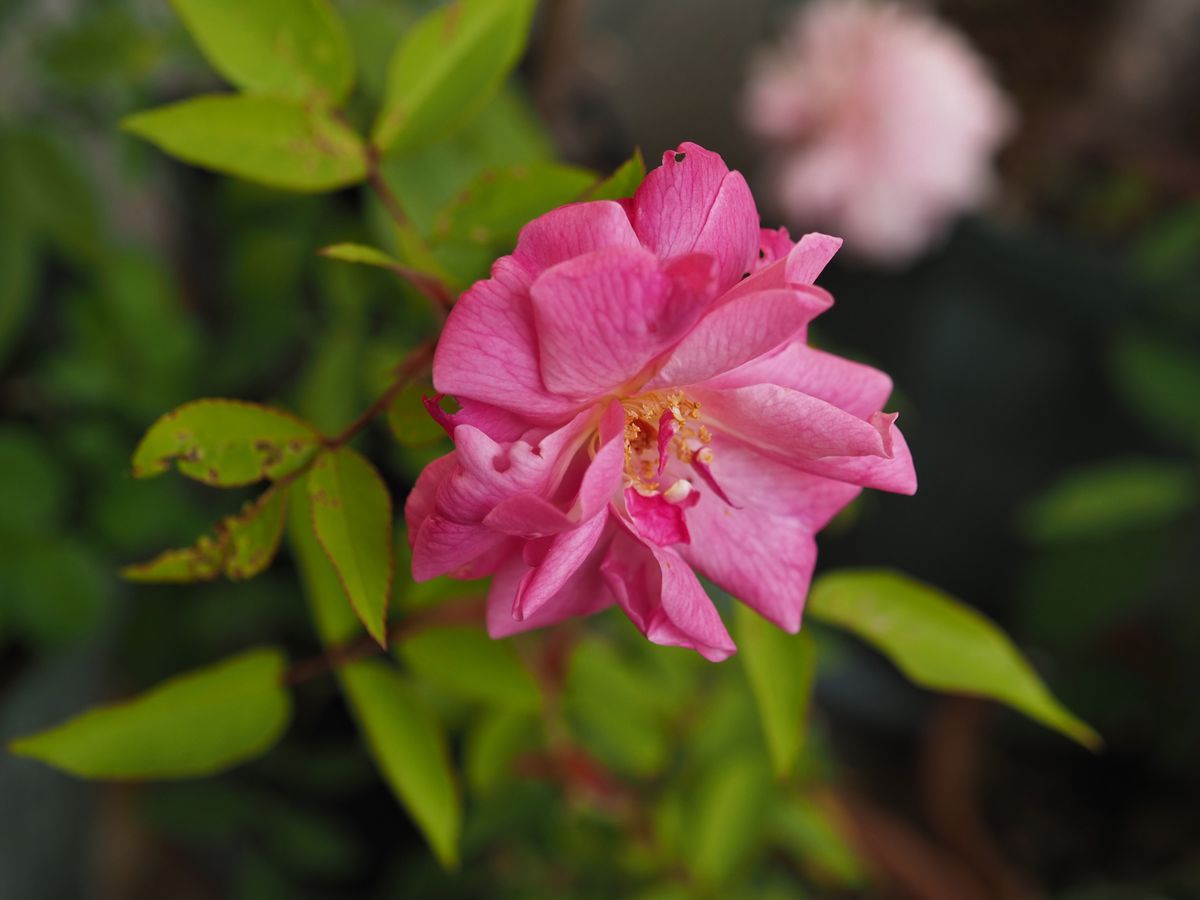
{"type": "Point", "coordinates": [1046, 356]}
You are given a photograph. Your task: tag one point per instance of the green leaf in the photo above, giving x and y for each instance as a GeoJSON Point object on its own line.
{"type": "Point", "coordinates": [289, 48]}
{"type": "Point", "coordinates": [493, 745]}
{"type": "Point", "coordinates": [225, 443]}
{"type": "Point", "coordinates": [780, 667]}
{"type": "Point", "coordinates": [57, 590]}
{"type": "Point", "coordinates": [243, 545]}
{"type": "Point", "coordinates": [273, 141]}
{"type": "Point", "coordinates": [812, 834]}
{"type": "Point", "coordinates": [46, 187]}
{"type": "Point", "coordinates": [939, 643]}
{"type": "Point", "coordinates": [34, 488]}
{"type": "Point", "coordinates": [623, 182]}
{"type": "Point", "coordinates": [369, 256]}
{"type": "Point", "coordinates": [407, 745]}
{"type": "Point", "coordinates": [611, 710]}
{"type": "Point", "coordinates": [466, 662]}
{"type": "Point", "coordinates": [1160, 382]}
{"type": "Point", "coordinates": [192, 725]}
{"type": "Point", "coordinates": [410, 421]}
{"type": "Point", "coordinates": [497, 204]}
{"type": "Point", "coordinates": [406, 742]}
{"type": "Point", "coordinates": [1112, 498]}
{"type": "Point", "coordinates": [361, 253]}
{"type": "Point", "coordinates": [18, 271]}
{"type": "Point", "coordinates": [352, 519]}
{"type": "Point", "coordinates": [447, 67]}
{"type": "Point", "coordinates": [728, 818]}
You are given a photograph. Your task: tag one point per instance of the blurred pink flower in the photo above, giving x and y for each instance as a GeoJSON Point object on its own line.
{"type": "Point", "coordinates": [636, 400]}
{"type": "Point", "coordinates": [883, 123]}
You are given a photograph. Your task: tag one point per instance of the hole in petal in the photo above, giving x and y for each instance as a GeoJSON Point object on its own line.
{"type": "Point", "coordinates": [680, 157]}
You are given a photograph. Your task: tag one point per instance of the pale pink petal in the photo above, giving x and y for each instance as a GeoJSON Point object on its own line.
{"type": "Point", "coordinates": [442, 547]}
{"type": "Point", "coordinates": [584, 593]}
{"type": "Point", "coordinates": [740, 331]}
{"type": "Point", "coordinates": [692, 203]}
{"type": "Point", "coordinates": [764, 484]}
{"type": "Point", "coordinates": [421, 502]}
{"type": "Point", "coordinates": [857, 388]}
{"type": "Point", "coordinates": [563, 555]}
{"type": "Point", "coordinates": [573, 230]}
{"type": "Point", "coordinates": [789, 424]}
{"type": "Point", "coordinates": [884, 473]}
{"type": "Point", "coordinates": [801, 266]}
{"type": "Point", "coordinates": [663, 599]}
{"type": "Point", "coordinates": [488, 349]}
{"type": "Point", "coordinates": [773, 244]}
{"type": "Point", "coordinates": [490, 472]}
{"type": "Point", "coordinates": [602, 479]}
{"type": "Point", "coordinates": [810, 256]}
{"type": "Point", "coordinates": [764, 560]}
{"type": "Point", "coordinates": [498, 424]}
{"type": "Point", "coordinates": [602, 318]}
{"type": "Point", "coordinates": [528, 516]}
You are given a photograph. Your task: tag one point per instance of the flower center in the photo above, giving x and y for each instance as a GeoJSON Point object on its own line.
{"type": "Point", "coordinates": [658, 426]}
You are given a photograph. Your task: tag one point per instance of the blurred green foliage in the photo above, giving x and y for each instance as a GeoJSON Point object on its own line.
{"type": "Point", "coordinates": [130, 284]}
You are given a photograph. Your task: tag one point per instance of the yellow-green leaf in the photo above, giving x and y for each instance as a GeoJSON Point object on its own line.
{"type": "Point", "coordinates": [466, 662]}
{"type": "Point", "coordinates": [352, 519]}
{"type": "Point", "coordinates": [242, 546]}
{"type": "Point", "coordinates": [939, 643]}
{"type": "Point", "coordinates": [274, 141]}
{"type": "Point", "coordinates": [405, 741]}
{"type": "Point", "coordinates": [410, 421]}
{"type": "Point", "coordinates": [361, 253]}
{"type": "Point", "coordinates": [780, 667]}
{"type": "Point", "coordinates": [623, 182]}
{"type": "Point", "coordinates": [225, 443]}
{"type": "Point", "coordinates": [410, 750]}
{"type": "Point", "coordinates": [447, 67]}
{"type": "Point", "coordinates": [497, 204]}
{"type": "Point", "coordinates": [192, 725]}
{"type": "Point", "coordinates": [1111, 498]}
{"type": "Point", "coordinates": [288, 48]}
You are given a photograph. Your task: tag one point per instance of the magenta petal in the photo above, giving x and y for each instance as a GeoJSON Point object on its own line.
{"type": "Point", "coordinates": [740, 331]}
{"type": "Point", "coordinates": [564, 555]}
{"type": "Point", "coordinates": [657, 520]}
{"type": "Point", "coordinates": [488, 349]}
{"type": "Point", "coordinates": [571, 231]}
{"type": "Point", "coordinates": [601, 318]}
{"type": "Point", "coordinates": [764, 560]}
{"type": "Point", "coordinates": [663, 599]}
{"type": "Point", "coordinates": [693, 203]}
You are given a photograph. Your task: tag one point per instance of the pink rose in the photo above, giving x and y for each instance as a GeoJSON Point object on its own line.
{"type": "Point", "coordinates": [637, 404]}
{"type": "Point", "coordinates": [883, 123]}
